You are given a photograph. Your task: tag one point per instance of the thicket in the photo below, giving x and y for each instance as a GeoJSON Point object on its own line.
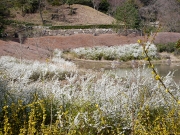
{"type": "Point", "coordinates": [61, 2]}
{"type": "Point", "coordinates": [4, 12]}
{"type": "Point", "coordinates": [169, 47]}
{"type": "Point", "coordinates": [104, 6]}
{"type": "Point", "coordinates": [27, 6]}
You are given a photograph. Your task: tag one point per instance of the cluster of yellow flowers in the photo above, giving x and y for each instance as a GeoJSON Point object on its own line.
{"type": "Point", "coordinates": [155, 74]}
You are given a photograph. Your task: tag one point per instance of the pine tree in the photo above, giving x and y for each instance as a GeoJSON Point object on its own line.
{"type": "Point", "coordinates": [127, 14]}
{"type": "Point", "coordinates": [4, 12]}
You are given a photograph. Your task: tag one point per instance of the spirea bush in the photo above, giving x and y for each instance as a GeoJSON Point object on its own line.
{"type": "Point", "coordinates": [122, 52]}
{"type": "Point", "coordinates": [26, 77]}
{"type": "Point", "coordinates": [34, 70]}
{"type": "Point", "coordinates": [85, 102]}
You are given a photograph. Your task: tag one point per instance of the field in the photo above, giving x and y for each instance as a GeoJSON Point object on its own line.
{"type": "Point", "coordinates": [50, 95]}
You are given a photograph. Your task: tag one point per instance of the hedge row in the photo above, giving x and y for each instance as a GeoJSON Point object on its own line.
{"type": "Point", "coordinates": [102, 26]}
{"type": "Point", "coordinates": [8, 22]}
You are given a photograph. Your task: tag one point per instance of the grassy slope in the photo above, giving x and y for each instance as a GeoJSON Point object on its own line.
{"type": "Point", "coordinates": [83, 15]}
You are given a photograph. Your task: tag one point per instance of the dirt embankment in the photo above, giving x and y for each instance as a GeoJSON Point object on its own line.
{"type": "Point", "coordinates": [42, 48]}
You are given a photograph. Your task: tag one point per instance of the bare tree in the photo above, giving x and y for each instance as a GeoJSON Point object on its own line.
{"type": "Point", "coordinates": [169, 14]}
{"type": "Point", "coordinates": [115, 3]}
{"type": "Point", "coordinates": [40, 11]}
{"type": "Point", "coordinates": [166, 12]}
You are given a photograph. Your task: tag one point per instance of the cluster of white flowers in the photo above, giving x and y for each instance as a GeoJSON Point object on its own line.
{"type": "Point", "coordinates": [26, 76]}
{"type": "Point", "coordinates": [111, 92]}
{"type": "Point", "coordinates": [17, 69]}
{"type": "Point", "coordinates": [115, 52]}
{"type": "Point", "coordinates": [109, 89]}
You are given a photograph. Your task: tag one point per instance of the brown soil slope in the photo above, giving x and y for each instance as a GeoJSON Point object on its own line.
{"type": "Point", "coordinates": [83, 15]}
{"type": "Point", "coordinates": [42, 48]}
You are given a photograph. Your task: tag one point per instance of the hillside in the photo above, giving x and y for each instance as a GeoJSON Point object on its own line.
{"type": "Point", "coordinates": [63, 15]}
{"type": "Point", "coordinates": [41, 48]}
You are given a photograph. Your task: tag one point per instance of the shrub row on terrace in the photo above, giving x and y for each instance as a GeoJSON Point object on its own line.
{"type": "Point", "coordinates": [121, 53]}
{"type": "Point", "coordinates": [103, 26]}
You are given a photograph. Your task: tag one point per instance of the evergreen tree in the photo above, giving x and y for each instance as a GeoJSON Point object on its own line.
{"type": "Point", "coordinates": [4, 12]}
{"type": "Point", "coordinates": [127, 14]}
{"type": "Point", "coordinates": [104, 6]}
{"type": "Point", "coordinates": [70, 2]}
{"type": "Point", "coordinates": [27, 6]}
{"type": "Point", "coordinates": [56, 2]}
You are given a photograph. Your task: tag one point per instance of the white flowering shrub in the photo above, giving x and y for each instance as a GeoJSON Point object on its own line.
{"type": "Point", "coordinates": [33, 70]}
{"type": "Point", "coordinates": [25, 77]}
{"type": "Point", "coordinates": [122, 52]}
{"type": "Point", "coordinates": [87, 102]}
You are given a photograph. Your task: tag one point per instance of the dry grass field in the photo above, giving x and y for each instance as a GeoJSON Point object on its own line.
{"type": "Point", "coordinates": [82, 15]}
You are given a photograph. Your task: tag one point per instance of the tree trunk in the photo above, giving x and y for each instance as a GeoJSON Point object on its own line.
{"type": "Point", "coordinates": [40, 11]}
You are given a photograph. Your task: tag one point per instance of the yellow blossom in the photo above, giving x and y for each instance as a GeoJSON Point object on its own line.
{"type": "Point", "coordinates": [97, 105]}
{"type": "Point", "coordinates": [167, 90]}
{"type": "Point", "coordinates": [146, 58]}
{"type": "Point", "coordinates": [47, 60]}
{"type": "Point", "coordinates": [157, 77]}
{"type": "Point", "coordinates": [139, 41]}
{"type": "Point", "coordinates": [178, 101]}
{"type": "Point", "coordinates": [153, 72]}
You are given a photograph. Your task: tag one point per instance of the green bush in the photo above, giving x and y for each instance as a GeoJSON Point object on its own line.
{"type": "Point", "coordinates": [148, 29]}
{"type": "Point", "coordinates": [168, 47]}
{"type": "Point", "coordinates": [27, 6]}
{"type": "Point", "coordinates": [171, 47]}
{"type": "Point", "coordinates": [56, 2]}
{"type": "Point", "coordinates": [4, 13]}
{"type": "Point", "coordinates": [104, 6]}
{"type": "Point", "coordinates": [84, 2]}
{"type": "Point", "coordinates": [82, 27]}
